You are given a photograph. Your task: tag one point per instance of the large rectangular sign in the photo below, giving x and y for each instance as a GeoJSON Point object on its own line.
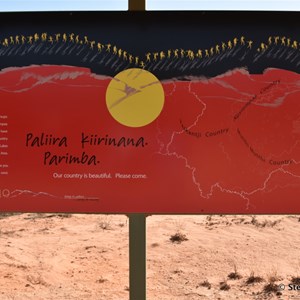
{"type": "Point", "coordinates": [150, 112]}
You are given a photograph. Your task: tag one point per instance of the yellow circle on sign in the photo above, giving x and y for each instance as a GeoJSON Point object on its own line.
{"type": "Point", "coordinates": [135, 97]}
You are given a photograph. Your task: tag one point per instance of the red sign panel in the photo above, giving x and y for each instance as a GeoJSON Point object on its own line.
{"type": "Point", "coordinates": [137, 139]}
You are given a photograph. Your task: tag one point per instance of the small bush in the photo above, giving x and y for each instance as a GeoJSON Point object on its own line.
{"type": "Point", "coordinates": [295, 280]}
{"type": "Point", "coordinates": [224, 286]}
{"type": "Point", "coordinates": [271, 287]}
{"type": "Point", "coordinates": [178, 237]}
{"type": "Point", "coordinates": [208, 218]}
{"type": "Point", "coordinates": [101, 280]}
{"type": "Point", "coordinates": [105, 223]}
{"type": "Point", "coordinates": [66, 216]}
{"type": "Point", "coordinates": [177, 271]}
{"type": "Point", "coordinates": [6, 215]}
{"type": "Point", "coordinates": [264, 223]}
{"type": "Point", "coordinates": [206, 284]}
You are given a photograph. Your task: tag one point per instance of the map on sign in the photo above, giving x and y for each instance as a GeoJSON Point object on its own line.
{"type": "Point", "coordinates": [157, 121]}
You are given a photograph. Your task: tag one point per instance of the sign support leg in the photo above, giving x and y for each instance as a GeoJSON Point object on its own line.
{"type": "Point", "coordinates": [136, 5]}
{"type": "Point", "coordinates": [137, 256]}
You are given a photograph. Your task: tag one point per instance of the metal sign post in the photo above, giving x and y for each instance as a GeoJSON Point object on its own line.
{"type": "Point", "coordinates": [137, 228]}
{"type": "Point", "coordinates": [137, 256]}
{"type": "Point", "coordinates": [136, 5]}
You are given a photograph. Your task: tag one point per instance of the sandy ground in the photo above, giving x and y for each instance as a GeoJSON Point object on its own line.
{"type": "Point", "coordinates": [46, 256]}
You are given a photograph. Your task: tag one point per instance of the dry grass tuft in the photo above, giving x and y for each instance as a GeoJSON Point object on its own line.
{"type": "Point", "coordinates": [273, 276]}
{"type": "Point", "coordinates": [235, 275]}
{"type": "Point", "coordinates": [271, 286]}
{"type": "Point", "coordinates": [252, 279]}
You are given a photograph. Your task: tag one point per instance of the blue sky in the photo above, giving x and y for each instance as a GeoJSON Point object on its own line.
{"type": "Point", "coordinates": [41, 5]}
{"type": "Point", "coordinates": [225, 4]}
